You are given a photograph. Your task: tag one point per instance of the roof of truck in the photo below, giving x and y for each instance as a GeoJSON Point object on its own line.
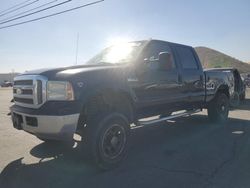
{"type": "Point", "coordinates": [222, 69]}
{"type": "Point", "coordinates": [177, 44]}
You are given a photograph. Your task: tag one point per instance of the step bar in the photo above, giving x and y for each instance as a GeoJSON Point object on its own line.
{"type": "Point", "coordinates": [182, 114]}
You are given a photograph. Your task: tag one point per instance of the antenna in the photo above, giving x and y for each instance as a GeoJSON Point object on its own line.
{"type": "Point", "coordinates": [77, 41]}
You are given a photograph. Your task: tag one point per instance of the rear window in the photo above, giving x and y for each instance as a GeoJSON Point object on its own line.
{"type": "Point", "coordinates": [187, 58]}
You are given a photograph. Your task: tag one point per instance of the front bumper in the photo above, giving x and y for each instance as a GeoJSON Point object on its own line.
{"type": "Point", "coordinates": [45, 126]}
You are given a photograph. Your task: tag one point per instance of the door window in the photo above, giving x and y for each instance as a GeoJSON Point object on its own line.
{"type": "Point", "coordinates": [152, 53]}
{"type": "Point", "coordinates": [187, 58]}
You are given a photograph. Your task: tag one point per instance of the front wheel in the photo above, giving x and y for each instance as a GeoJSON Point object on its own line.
{"type": "Point", "coordinates": [218, 109]}
{"type": "Point", "coordinates": [107, 140]}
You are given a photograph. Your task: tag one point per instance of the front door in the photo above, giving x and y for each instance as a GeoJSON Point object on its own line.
{"type": "Point", "coordinates": [155, 87]}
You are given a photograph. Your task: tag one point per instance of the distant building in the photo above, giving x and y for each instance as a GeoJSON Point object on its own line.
{"type": "Point", "coordinates": [7, 77]}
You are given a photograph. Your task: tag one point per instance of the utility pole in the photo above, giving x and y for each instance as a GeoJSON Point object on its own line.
{"type": "Point", "coordinates": [77, 41]}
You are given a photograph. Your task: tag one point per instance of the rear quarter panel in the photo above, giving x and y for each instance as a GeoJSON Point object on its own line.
{"type": "Point", "coordinates": [215, 80]}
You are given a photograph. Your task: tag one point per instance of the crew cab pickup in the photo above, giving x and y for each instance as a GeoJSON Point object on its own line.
{"type": "Point", "coordinates": [120, 86]}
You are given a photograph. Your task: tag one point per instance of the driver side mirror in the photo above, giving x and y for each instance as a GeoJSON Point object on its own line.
{"type": "Point", "coordinates": [165, 61]}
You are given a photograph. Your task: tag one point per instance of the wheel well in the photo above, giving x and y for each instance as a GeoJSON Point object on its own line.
{"type": "Point", "coordinates": [223, 89]}
{"type": "Point", "coordinates": [102, 102]}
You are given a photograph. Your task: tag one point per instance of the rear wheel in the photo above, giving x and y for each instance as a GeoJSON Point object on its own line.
{"type": "Point", "coordinates": [107, 140]}
{"type": "Point", "coordinates": [218, 109]}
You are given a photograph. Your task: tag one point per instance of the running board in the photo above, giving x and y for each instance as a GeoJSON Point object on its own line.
{"type": "Point", "coordinates": [150, 122]}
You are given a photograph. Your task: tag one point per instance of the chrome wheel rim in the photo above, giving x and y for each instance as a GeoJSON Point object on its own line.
{"type": "Point", "coordinates": [113, 142]}
{"type": "Point", "coordinates": [223, 108]}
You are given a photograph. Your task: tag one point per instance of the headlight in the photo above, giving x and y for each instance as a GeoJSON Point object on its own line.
{"type": "Point", "coordinates": [59, 90]}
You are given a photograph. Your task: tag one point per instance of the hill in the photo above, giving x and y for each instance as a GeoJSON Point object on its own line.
{"type": "Point", "coordinates": [214, 59]}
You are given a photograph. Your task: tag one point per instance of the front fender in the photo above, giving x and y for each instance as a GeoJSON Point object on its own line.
{"type": "Point", "coordinates": [106, 87]}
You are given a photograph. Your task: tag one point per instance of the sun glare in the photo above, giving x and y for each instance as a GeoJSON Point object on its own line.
{"type": "Point", "coordinates": [119, 52]}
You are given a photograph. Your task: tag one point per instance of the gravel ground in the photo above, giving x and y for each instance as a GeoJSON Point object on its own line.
{"type": "Point", "coordinates": [188, 152]}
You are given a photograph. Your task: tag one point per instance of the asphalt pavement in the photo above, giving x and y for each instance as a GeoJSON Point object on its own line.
{"type": "Point", "coordinates": [188, 152]}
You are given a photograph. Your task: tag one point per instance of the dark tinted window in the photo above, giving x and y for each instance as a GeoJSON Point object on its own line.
{"type": "Point", "coordinates": [187, 58]}
{"type": "Point", "coordinates": [154, 48]}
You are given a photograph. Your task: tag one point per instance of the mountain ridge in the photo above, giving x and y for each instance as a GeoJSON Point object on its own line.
{"type": "Point", "coordinates": [211, 58]}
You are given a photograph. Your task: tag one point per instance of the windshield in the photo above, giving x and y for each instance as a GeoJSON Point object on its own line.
{"type": "Point", "coordinates": [118, 54]}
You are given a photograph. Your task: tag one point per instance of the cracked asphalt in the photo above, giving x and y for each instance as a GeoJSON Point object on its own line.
{"type": "Point", "coordinates": [188, 152]}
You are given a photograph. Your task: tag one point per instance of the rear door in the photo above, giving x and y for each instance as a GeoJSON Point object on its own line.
{"type": "Point", "coordinates": [192, 75]}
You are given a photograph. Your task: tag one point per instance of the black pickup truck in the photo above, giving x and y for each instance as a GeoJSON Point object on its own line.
{"type": "Point", "coordinates": [120, 86]}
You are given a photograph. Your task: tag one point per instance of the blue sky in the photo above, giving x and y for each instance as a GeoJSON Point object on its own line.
{"type": "Point", "coordinates": [223, 25]}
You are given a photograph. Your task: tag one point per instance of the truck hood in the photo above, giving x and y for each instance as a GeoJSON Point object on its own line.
{"type": "Point", "coordinates": [38, 71]}
{"type": "Point", "coordinates": [69, 72]}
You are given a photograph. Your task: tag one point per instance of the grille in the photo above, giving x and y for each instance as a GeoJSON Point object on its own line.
{"type": "Point", "coordinates": [21, 100]}
{"type": "Point", "coordinates": [29, 90]}
{"type": "Point", "coordinates": [23, 82]}
{"type": "Point", "coordinates": [24, 91]}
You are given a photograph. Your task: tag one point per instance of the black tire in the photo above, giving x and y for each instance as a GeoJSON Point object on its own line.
{"type": "Point", "coordinates": [218, 109]}
{"type": "Point", "coordinates": [107, 140]}
{"type": "Point", "coordinates": [235, 101]}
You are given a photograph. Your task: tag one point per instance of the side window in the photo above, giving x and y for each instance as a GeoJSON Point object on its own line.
{"type": "Point", "coordinates": [152, 52]}
{"type": "Point", "coordinates": [187, 58]}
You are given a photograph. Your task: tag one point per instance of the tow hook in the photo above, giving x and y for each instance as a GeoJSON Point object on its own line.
{"type": "Point", "coordinates": [17, 121]}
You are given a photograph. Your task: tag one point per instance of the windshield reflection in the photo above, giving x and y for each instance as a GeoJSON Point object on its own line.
{"type": "Point", "coordinates": [118, 54]}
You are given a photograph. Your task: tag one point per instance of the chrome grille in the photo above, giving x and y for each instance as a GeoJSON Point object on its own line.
{"type": "Point", "coordinates": [29, 90]}
{"type": "Point", "coordinates": [22, 100]}
{"type": "Point", "coordinates": [23, 82]}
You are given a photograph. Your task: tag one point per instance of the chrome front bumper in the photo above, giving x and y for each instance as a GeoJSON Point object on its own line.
{"type": "Point", "coordinates": [47, 127]}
